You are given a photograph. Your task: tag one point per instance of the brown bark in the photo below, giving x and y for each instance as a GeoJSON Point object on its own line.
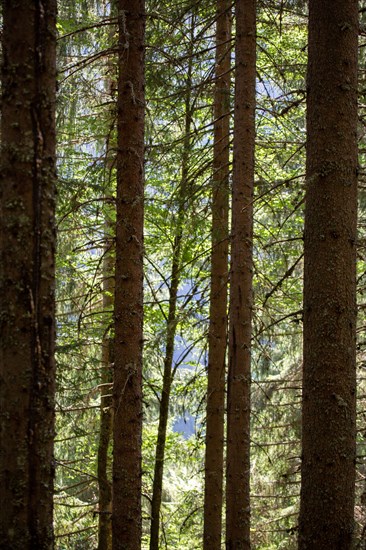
{"type": "Point", "coordinates": [127, 389]}
{"type": "Point", "coordinates": [329, 387]}
{"type": "Point", "coordinates": [217, 336]}
{"type": "Point", "coordinates": [27, 246]}
{"type": "Point", "coordinates": [241, 302]}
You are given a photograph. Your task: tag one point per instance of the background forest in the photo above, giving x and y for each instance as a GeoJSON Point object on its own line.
{"type": "Point", "coordinates": [180, 65]}
{"type": "Point", "coordinates": [182, 107]}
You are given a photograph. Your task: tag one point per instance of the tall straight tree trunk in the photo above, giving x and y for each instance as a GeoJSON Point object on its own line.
{"type": "Point", "coordinates": [107, 356]}
{"type": "Point", "coordinates": [217, 337]}
{"type": "Point", "coordinates": [106, 412]}
{"type": "Point", "coordinates": [329, 384]}
{"type": "Point", "coordinates": [172, 321]}
{"type": "Point", "coordinates": [165, 396]}
{"type": "Point", "coordinates": [27, 249]}
{"type": "Point", "coordinates": [127, 389]}
{"type": "Point", "coordinates": [241, 300]}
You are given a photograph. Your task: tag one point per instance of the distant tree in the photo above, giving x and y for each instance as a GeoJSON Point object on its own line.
{"type": "Point", "coordinates": [106, 412]}
{"type": "Point", "coordinates": [171, 320]}
{"type": "Point", "coordinates": [27, 249]}
{"type": "Point", "coordinates": [127, 389]}
{"type": "Point", "coordinates": [241, 290]}
{"type": "Point", "coordinates": [329, 374]}
{"type": "Point", "coordinates": [107, 354]}
{"type": "Point", "coordinates": [181, 220]}
{"type": "Point", "coordinates": [217, 336]}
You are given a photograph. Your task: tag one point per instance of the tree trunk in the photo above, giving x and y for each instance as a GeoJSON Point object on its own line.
{"type": "Point", "coordinates": [329, 385]}
{"type": "Point", "coordinates": [172, 320]}
{"type": "Point", "coordinates": [27, 248]}
{"type": "Point", "coordinates": [106, 413]}
{"type": "Point", "coordinates": [165, 397]}
{"type": "Point", "coordinates": [241, 301]}
{"type": "Point", "coordinates": [127, 389]}
{"type": "Point", "coordinates": [107, 358]}
{"type": "Point", "coordinates": [217, 336]}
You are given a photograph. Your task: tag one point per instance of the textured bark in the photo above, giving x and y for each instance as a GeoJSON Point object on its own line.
{"type": "Point", "coordinates": [106, 412]}
{"type": "Point", "coordinates": [329, 387]}
{"type": "Point", "coordinates": [127, 389]}
{"type": "Point", "coordinates": [27, 247]}
{"type": "Point", "coordinates": [238, 407]}
{"type": "Point", "coordinates": [217, 337]}
{"type": "Point", "coordinates": [172, 321]}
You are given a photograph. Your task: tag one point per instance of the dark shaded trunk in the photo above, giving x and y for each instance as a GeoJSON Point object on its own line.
{"type": "Point", "coordinates": [217, 336]}
{"type": "Point", "coordinates": [106, 413]}
{"type": "Point", "coordinates": [27, 248]}
{"type": "Point", "coordinates": [165, 397]}
{"type": "Point", "coordinates": [241, 300]}
{"type": "Point", "coordinates": [127, 389]}
{"type": "Point", "coordinates": [172, 321]}
{"type": "Point", "coordinates": [329, 386]}
{"type": "Point", "coordinates": [107, 359]}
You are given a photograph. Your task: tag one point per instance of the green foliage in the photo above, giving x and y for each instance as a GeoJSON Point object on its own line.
{"type": "Point", "coordinates": [178, 167]}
